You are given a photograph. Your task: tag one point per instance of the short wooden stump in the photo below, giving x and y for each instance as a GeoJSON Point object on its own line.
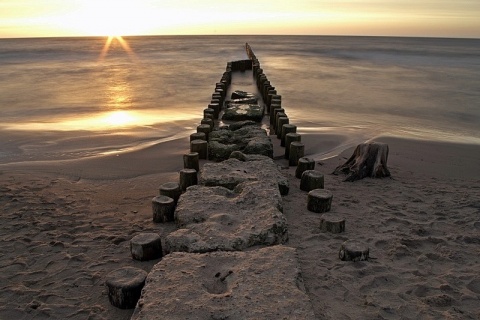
{"type": "Point", "coordinates": [297, 150]}
{"type": "Point", "coordinates": [163, 208]}
{"type": "Point", "coordinates": [198, 136]}
{"type": "Point", "coordinates": [303, 165]}
{"type": "Point", "coordinates": [146, 246]}
{"type": "Point", "coordinates": [319, 200]}
{"type": "Point", "coordinates": [171, 189]}
{"type": "Point", "coordinates": [124, 286]}
{"type": "Point", "coordinates": [188, 177]}
{"type": "Point", "coordinates": [332, 223]}
{"type": "Point", "coordinates": [352, 250]}
{"type": "Point", "coordinates": [312, 179]}
{"type": "Point", "coordinates": [201, 147]}
{"type": "Point", "coordinates": [190, 161]}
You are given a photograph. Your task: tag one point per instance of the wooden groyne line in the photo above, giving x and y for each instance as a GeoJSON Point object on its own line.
{"type": "Point", "coordinates": [232, 203]}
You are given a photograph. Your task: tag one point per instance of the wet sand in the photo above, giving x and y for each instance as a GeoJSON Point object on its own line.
{"type": "Point", "coordinates": [66, 224]}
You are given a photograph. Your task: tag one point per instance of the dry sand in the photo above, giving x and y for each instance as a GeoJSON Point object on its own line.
{"type": "Point", "coordinates": [66, 224]}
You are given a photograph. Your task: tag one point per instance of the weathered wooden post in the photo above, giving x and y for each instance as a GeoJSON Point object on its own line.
{"type": "Point", "coordinates": [163, 209]}
{"type": "Point", "coordinates": [287, 128]}
{"type": "Point", "coordinates": [312, 179]}
{"type": "Point", "coordinates": [205, 128]}
{"type": "Point", "coordinates": [319, 200]}
{"type": "Point", "coordinates": [332, 223]}
{"type": "Point", "coordinates": [188, 177]}
{"type": "Point", "coordinates": [146, 246]}
{"type": "Point", "coordinates": [281, 121]}
{"type": "Point", "coordinates": [170, 189]}
{"type": "Point", "coordinates": [201, 147]}
{"type": "Point", "coordinates": [198, 136]}
{"type": "Point", "coordinates": [190, 161]}
{"type": "Point", "coordinates": [289, 138]}
{"type": "Point", "coordinates": [304, 164]}
{"type": "Point", "coordinates": [352, 250]}
{"type": "Point", "coordinates": [209, 122]}
{"type": "Point", "coordinates": [124, 286]}
{"type": "Point", "coordinates": [297, 150]}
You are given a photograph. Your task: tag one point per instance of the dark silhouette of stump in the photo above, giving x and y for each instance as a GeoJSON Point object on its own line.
{"type": "Point", "coordinates": [163, 209]}
{"type": "Point", "coordinates": [312, 179]}
{"type": "Point", "coordinates": [172, 190]}
{"type": "Point", "coordinates": [205, 128]}
{"type": "Point", "coordinates": [332, 223]}
{"type": "Point", "coordinates": [319, 200]}
{"type": "Point", "coordinates": [146, 246]}
{"type": "Point", "coordinates": [368, 160]}
{"type": "Point", "coordinates": [198, 136]}
{"type": "Point", "coordinates": [303, 165]}
{"type": "Point", "coordinates": [287, 128]}
{"type": "Point", "coordinates": [125, 286]}
{"type": "Point", "coordinates": [353, 251]}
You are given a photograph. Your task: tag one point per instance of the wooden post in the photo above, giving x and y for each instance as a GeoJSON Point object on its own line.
{"type": "Point", "coordinates": [198, 136]}
{"type": "Point", "coordinates": [319, 200]}
{"type": "Point", "coordinates": [352, 250]}
{"type": "Point", "coordinates": [146, 246]}
{"type": "Point", "coordinates": [312, 179]}
{"type": "Point", "coordinates": [332, 223]}
{"type": "Point", "coordinates": [289, 138]}
{"type": "Point", "coordinates": [201, 147]}
{"type": "Point", "coordinates": [208, 111]}
{"type": "Point", "coordinates": [297, 150]}
{"type": "Point", "coordinates": [287, 128]}
{"type": "Point", "coordinates": [125, 286]}
{"type": "Point", "coordinates": [205, 128]}
{"type": "Point", "coordinates": [281, 121]}
{"type": "Point", "coordinates": [170, 189]}
{"type": "Point", "coordinates": [163, 209]}
{"type": "Point", "coordinates": [209, 122]}
{"type": "Point", "coordinates": [188, 177]}
{"type": "Point", "coordinates": [190, 161]}
{"type": "Point", "coordinates": [304, 164]}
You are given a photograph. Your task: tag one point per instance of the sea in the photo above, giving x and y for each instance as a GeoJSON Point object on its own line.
{"type": "Point", "coordinates": [68, 98]}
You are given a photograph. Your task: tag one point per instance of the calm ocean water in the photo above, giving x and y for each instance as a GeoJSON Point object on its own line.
{"type": "Point", "coordinates": [60, 99]}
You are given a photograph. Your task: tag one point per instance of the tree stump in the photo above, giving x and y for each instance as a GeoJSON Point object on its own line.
{"type": "Point", "coordinates": [190, 161]}
{"type": "Point", "coordinates": [353, 251]}
{"type": "Point", "coordinates": [303, 165]}
{"type": "Point", "coordinates": [198, 136]}
{"type": "Point", "coordinates": [200, 147]}
{"type": "Point", "coordinates": [125, 286]}
{"type": "Point", "coordinates": [163, 209]}
{"type": "Point", "coordinates": [289, 138]}
{"type": "Point", "coordinates": [332, 223]}
{"type": "Point", "coordinates": [287, 128]}
{"type": "Point", "coordinates": [146, 246]}
{"type": "Point", "coordinates": [297, 150]}
{"type": "Point", "coordinates": [188, 177]}
{"type": "Point", "coordinates": [319, 201]}
{"type": "Point", "coordinates": [368, 160]}
{"type": "Point", "coordinates": [172, 190]}
{"type": "Point", "coordinates": [312, 179]}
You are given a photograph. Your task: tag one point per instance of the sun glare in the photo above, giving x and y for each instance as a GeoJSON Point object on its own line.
{"type": "Point", "coordinates": [122, 42]}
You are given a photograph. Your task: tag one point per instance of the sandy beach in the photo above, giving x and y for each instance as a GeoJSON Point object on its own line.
{"type": "Point", "coordinates": [67, 224]}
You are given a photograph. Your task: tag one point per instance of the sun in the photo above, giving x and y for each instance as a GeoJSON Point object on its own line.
{"type": "Point", "coordinates": [111, 18]}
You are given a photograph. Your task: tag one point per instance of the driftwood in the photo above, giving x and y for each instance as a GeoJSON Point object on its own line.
{"type": "Point", "coordinates": [368, 160]}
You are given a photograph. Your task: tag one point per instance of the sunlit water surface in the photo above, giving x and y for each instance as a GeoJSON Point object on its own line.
{"type": "Point", "coordinates": [63, 98]}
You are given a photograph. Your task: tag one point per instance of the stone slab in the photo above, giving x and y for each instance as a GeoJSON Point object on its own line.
{"type": "Point", "coordinates": [241, 112]}
{"type": "Point", "coordinates": [216, 218]}
{"type": "Point", "coordinates": [250, 139]}
{"type": "Point", "coordinates": [258, 284]}
{"type": "Point", "coordinates": [231, 172]}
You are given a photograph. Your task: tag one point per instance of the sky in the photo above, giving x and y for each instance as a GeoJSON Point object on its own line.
{"type": "Point", "coordinates": [423, 18]}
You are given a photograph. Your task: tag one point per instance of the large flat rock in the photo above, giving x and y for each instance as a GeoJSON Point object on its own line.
{"type": "Point", "coordinates": [240, 112]}
{"type": "Point", "coordinates": [216, 218]}
{"type": "Point", "coordinates": [249, 139]}
{"type": "Point", "coordinates": [231, 172]}
{"type": "Point", "coordinates": [258, 284]}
